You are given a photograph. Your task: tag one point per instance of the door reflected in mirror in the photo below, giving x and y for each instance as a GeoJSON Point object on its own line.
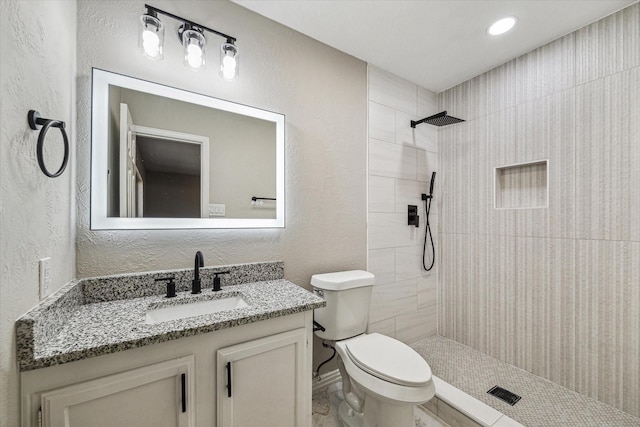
{"type": "Point", "coordinates": [167, 158]}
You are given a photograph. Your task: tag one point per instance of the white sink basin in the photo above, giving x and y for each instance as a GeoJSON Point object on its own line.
{"type": "Point", "coordinates": [196, 308]}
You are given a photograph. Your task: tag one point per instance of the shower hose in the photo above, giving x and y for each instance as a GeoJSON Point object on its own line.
{"type": "Point", "coordinates": [427, 233]}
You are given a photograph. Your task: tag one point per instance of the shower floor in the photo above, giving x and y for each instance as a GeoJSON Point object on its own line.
{"type": "Point", "coordinates": [543, 403]}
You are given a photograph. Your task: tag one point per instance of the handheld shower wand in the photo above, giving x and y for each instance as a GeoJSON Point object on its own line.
{"type": "Point", "coordinates": [433, 180]}
{"type": "Point", "coordinates": [428, 198]}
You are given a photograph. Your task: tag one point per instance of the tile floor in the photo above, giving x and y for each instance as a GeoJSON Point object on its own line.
{"type": "Point", "coordinates": [325, 410]}
{"type": "Point", "coordinates": [543, 403]}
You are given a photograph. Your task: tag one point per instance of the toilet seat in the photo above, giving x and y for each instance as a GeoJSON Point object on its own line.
{"type": "Point", "coordinates": [389, 359]}
{"type": "Point", "coordinates": [384, 383]}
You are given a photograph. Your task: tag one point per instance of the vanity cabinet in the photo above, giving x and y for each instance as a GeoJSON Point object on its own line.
{"type": "Point", "coordinates": [261, 382]}
{"type": "Point", "coordinates": [158, 395]}
{"type": "Point", "coordinates": [142, 387]}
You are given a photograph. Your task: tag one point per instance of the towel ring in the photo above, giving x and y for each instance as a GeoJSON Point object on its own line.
{"type": "Point", "coordinates": [35, 122]}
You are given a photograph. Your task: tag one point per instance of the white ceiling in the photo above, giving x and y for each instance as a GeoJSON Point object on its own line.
{"type": "Point", "coordinates": [436, 44]}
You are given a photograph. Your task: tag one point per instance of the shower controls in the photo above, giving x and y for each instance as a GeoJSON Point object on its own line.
{"type": "Point", "coordinates": [412, 215]}
{"type": "Point", "coordinates": [425, 196]}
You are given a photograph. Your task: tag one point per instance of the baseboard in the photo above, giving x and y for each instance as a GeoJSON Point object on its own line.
{"type": "Point", "coordinates": [326, 379]}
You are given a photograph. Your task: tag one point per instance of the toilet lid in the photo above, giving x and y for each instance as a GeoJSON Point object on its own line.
{"type": "Point", "coordinates": [388, 359]}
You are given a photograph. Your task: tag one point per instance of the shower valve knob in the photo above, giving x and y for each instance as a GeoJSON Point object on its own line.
{"type": "Point", "coordinates": [412, 216]}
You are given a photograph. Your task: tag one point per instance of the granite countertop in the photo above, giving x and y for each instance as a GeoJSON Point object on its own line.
{"type": "Point", "coordinates": [80, 328]}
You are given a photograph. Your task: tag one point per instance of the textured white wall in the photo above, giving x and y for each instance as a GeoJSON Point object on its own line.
{"type": "Point", "coordinates": [37, 214]}
{"type": "Point", "coordinates": [322, 93]}
{"type": "Point", "coordinates": [404, 303]}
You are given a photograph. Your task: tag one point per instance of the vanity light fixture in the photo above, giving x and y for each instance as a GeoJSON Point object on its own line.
{"type": "Point", "coordinates": [192, 37]}
{"type": "Point", "coordinates": [503, 25]}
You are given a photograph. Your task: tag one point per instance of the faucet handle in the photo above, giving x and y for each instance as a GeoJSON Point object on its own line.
{"type": "Point", "coordinates": [171, 285]}
{"type": "Point", "coordinates": [216, 280]}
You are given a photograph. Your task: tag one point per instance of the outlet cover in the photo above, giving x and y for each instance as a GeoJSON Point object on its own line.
{"type": "Point", "coordinates": [45, 277]}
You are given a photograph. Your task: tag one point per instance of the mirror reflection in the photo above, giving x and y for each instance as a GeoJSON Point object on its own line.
{"type": "Point", "coordinates": [182, 159]}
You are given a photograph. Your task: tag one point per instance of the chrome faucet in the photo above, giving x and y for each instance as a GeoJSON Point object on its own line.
{"type": "Point", "coordinates": [195, 283]}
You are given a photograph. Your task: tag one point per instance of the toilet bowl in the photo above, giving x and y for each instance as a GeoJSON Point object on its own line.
{"type": "Point", "coordinates": [382, 378]}
{"type": "Point", "coordinates": [386, 379]}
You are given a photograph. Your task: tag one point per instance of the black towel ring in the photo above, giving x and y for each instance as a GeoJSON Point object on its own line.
{"type": "Point", "coordinates": [35, 121]}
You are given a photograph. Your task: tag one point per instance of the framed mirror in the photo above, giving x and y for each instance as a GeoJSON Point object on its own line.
{"type": "Point", "coordinates": [164, 158]}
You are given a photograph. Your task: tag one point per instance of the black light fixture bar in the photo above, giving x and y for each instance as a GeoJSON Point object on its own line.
{"type": "Point", "coordinates": [255, 199]}
{"type": "Point", "coordinates": [155, 11]}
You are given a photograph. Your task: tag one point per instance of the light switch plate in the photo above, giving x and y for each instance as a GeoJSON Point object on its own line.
{"type": "Point", "coordinates": [45, 277]}
{"type": "Point", "coordinates": [216, 209]}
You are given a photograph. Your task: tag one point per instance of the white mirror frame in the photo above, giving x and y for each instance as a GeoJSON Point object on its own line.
{"type": "Point", "coordinates": [99, 157]}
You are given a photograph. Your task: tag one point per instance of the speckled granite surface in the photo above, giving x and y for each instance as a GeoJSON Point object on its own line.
{"type": "Point", "coordinates": [127, 286]}
{"type": "Point", "coordinates": [92, 317]}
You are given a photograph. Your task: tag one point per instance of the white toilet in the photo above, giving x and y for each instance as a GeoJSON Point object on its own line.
{"type": "Point", "coordinates": [382, 378]}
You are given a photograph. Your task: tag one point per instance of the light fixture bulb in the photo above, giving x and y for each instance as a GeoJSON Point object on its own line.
{"type": "Point", "coordinates": [194, 44]}
{"type": "Point", "coordinates": [502, 26]}
{"type": "Point", "coordinates": [194, 56]}
{"type": "Point", "coordinates": [228, 61]}
{"type": "Point", "coordinates": [150, 43]}
{"type": "Point", "coordinates": [151, 37]}
{"type": "Point", "coordinates": [229, 67]}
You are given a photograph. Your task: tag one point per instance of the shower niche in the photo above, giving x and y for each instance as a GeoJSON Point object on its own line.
{"type": "Point", "coordinates": [522, 185]}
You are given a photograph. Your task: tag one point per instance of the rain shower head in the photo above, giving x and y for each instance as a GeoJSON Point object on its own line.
{"type": "Point", "coordinates": [440, 119]}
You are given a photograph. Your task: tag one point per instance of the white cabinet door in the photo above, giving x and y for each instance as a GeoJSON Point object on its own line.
{"type": "Point", "coordinates": [262, 382]}
{"type": "Point", "coordinates": [158, 395]}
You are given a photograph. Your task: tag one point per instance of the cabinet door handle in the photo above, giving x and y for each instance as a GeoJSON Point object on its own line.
{"type": "Point", "coordinates": [184, 392]}
{"type": "Point", "coordinates": [228, 379]}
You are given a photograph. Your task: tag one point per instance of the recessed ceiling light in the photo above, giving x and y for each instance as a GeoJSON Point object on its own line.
{"type": "Point", "coordinates": [502, 26]}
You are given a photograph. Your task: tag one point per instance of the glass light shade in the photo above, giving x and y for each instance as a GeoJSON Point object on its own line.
{"type": "Point", "coordinates": [194, 44]}
{"type": "Point", "coordinates": [151, 37]}
{"type": "Point", "coordinates": [229, 66]}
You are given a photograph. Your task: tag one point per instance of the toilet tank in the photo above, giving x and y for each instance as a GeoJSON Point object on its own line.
{"type": "Point", "coordinates": [348, 294]}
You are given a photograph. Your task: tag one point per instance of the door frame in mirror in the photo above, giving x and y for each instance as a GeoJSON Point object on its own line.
{"type": "Point", "coordinates": [101, 80]}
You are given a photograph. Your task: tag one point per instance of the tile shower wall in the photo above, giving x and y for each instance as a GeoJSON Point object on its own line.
{"type": "Point", "coordinates": [400, 161]}
{"type": "Point", "coordinates": [551, 290]}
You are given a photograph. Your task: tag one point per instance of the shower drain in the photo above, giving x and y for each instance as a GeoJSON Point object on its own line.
{"type": "Point", "coordinates": [504, 395]}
